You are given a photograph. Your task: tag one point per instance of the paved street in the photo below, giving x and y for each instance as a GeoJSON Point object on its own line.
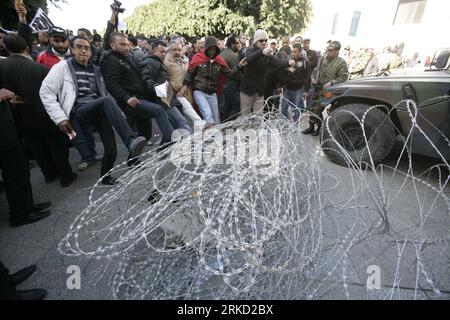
{"type": "Point", "coordinates": [37, 243]}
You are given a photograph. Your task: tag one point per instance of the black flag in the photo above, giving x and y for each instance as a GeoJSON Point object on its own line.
{"type": "Point", "coordinates": [41, 21]}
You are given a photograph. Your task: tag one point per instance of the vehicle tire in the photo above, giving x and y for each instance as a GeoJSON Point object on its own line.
{"type": "Point", "coordinates": [343, 135]}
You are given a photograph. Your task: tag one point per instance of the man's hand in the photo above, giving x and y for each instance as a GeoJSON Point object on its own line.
{"type": "Point", "coordinates": [114, 15]}
{"type": "Point", "coordinates": [267, 52]}
{"type": "Point", "coordinates": [65, 127]}
{"type": "Point", "coordinates": [16, 100]}
{"type": "Point", "coordinates": [243, 62]}
{"type": "Point", "coordinates": [5, 94]}
{"type": "Point", "coordinates": [133, 102]}
{"type": "Point", "coordinates": [177, 87]}
{"type": "Point", "coordinates": [182, 92]}
{"type": "Point", "coordinates": [292, 63]}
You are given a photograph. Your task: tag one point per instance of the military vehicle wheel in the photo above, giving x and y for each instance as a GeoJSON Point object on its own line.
{"type": "Point", "coordinates": [344, 140]}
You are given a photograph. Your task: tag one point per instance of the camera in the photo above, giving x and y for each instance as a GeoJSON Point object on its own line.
{"type": "Point", "coordinates": [116, 6]}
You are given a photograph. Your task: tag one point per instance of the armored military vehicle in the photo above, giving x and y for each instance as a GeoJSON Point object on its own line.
{"type": "Point", "coordinates": [366, 115]}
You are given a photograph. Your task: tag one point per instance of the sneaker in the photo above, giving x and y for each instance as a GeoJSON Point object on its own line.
{"type": "Point", "coordinates": [137, 146]}
{"type": "Point", "coordinates": [83, 165]}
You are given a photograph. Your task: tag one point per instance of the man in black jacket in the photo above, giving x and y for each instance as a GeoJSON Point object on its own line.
{"type": "Point", "coordinates": [19, 74]}
{"type": "Point", "coordinates": [294, 79]}
{"type": "Point", "coordinates": [15, 172]}
{"type": "Point", "coordinates": [230, 93]}
{"type": "Point", "coordinates": [124, 82]}
{"type": "Point", "coordinates": [259, 59]}
{"type": "Point", "coordinates": [154, 73]}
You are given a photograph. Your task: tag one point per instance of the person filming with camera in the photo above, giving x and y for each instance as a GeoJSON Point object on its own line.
{"type": "Point", "coordinates": [116, 8]}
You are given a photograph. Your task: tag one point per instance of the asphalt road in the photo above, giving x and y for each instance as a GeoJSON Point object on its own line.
{"type": "Point", "coordinates": [37, 243]}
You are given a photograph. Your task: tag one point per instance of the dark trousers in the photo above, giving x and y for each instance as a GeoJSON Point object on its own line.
{"type": "Point", "coordinates": [231, 102]}
{"type": "Point", "coordinates": [273, 99]}
{"type": "Point", "coordinates": [104, 114]}
{"type": "Point", "coordinates": [142, 127]}
{"type": "Point", "coordinates": [317, 107]}
{"type": "Point", "coordinates": [85, 141]}
{"type": "Point", "coordinates": [16, 181]}
{"type": "Point", "coordinates": [7, 290]}
{"type": "Point", "coordinates": [148, 110]}
{"type": "Point", "coordinates": [51, 151]}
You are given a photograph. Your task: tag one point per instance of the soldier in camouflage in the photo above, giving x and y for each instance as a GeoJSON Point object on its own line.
{"type": "Point", "coordinates": [331, 70]}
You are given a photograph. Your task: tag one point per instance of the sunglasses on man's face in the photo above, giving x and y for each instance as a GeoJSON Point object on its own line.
{"type": "Point", "coordinates": [262, 40]}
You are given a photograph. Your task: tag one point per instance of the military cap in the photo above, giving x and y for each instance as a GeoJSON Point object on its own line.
{"type": "Point", "coordinates": [334, 45]}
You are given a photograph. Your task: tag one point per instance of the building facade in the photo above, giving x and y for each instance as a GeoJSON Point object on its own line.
{"type": "Point", "coordinates": [422, 25]}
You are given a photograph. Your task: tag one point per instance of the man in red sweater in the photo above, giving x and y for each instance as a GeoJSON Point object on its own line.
{"type": "Point", "coordinates": [58, 49]}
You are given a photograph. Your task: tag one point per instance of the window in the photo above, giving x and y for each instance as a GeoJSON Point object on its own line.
{"type": "Point", "coordinates": [410, 11]}
{"type": "Point", "coordinates": [335, 23]}
{"type": "Point", "coordinates": [355, 23]}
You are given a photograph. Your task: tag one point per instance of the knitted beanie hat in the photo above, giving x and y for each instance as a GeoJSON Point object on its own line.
{"type": "Point", "coordinates": [260, 35]}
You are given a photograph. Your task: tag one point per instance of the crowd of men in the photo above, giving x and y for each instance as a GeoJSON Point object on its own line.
{"type": "Point", "coordinates": [58, 89]}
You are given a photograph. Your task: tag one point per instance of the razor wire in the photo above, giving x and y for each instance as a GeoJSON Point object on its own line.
{"type": "Point", "coordinates": [251, 209]}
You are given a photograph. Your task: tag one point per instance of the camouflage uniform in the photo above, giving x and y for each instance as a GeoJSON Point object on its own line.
{"type": "Point", "coordinates": [334, 71]}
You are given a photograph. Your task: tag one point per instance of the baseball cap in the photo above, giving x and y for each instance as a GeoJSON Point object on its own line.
{"type": "Point", "coordinates": [58, 32]}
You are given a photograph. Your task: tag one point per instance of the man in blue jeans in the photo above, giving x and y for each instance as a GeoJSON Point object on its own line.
{"type": "Point", "coordinates": [85, 144]}
{"type": "Point", "coordinates": [74, 89]}
{"type": "Point", "coordinates": [124, 82]}
{"type": "Point", "coordinates": [295, 79]}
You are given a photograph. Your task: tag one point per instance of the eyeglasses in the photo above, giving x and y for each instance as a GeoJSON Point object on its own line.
{"type": "Point", "coordinates": [80, 47]}
{"type": "Point", "coordinates": [262, 40]}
